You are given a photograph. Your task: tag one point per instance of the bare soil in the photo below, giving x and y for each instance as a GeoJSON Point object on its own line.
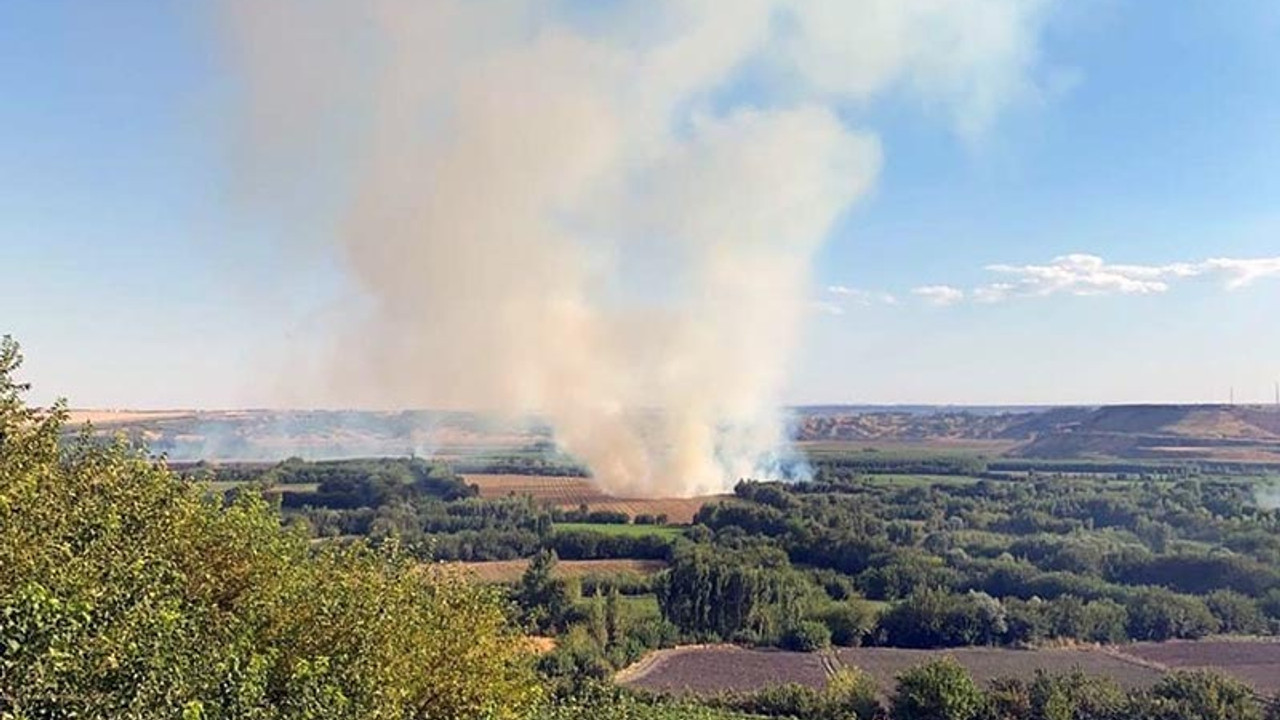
{"type": "Point", "coordinates": [1256, 662]}
{"type": "Point", "coordinates": [711, 669]}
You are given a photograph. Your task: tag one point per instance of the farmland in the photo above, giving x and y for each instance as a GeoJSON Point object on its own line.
{"type": "Point", "coordinates": [502, 571]}
{"type": "Point", "coordinates": [618, 529]}
{"type": "Point", "coordinates": [723, 668]}
{"type": "Point", "coordinates": [714, 669]}
{"type": "Point", "coordinates": [572, 492]}
{"type": "Point", "coordinates": [1256, 663]}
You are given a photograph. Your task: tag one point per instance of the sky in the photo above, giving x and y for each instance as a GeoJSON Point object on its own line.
{"type": "Point", "coordinates": [1111, 235]}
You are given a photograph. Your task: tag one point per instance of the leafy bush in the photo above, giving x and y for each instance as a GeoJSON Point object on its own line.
{"type": "Point", "coordinates": [807, 636]}
{"type": "Point", "coordinates": [939, 690]}
{"type": "Point", "coordinates": [849, 622]}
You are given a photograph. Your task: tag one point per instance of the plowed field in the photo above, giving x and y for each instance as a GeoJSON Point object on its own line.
{"type": "Point", "coordinates": [1254, 662]}
{"type": "Point", "coordinates": [711, 669]}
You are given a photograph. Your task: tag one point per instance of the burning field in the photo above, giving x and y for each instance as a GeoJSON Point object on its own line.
{"type": "Point", "coordinates": [573, 492]}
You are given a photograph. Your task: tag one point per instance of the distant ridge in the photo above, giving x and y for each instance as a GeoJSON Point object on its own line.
{"type": "Point", "coordinates": [1227, 433]}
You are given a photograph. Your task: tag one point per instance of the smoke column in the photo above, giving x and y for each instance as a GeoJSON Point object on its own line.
{"type": "Point", "coordinates": [602, 212]}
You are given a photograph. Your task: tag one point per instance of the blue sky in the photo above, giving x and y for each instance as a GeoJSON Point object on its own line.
{"type": "Point", "coordinates": [132, 281]}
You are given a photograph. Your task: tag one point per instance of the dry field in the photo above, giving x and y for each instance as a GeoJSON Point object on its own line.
{"type": "Point", "coordinates": [571, 492]}
{"type": "Point", "coordinates": [118, 417]}
{"type": "Point", "coordinates": [717, 668]}
{"type": "Point", "coordinates": [1256, 662]}
{"type": "Point", "coordinates": [511, 570]}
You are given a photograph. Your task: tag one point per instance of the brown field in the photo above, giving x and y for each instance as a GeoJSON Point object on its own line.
{"type": "Point", "coordinates": [717, 668]}
{"type": "Point", "coordinates": [116, 417]}
{"type": "Point", "coordinates": [571, 492]}
{"type": "Point", "coordinates": [511, 570]}
{"type": "Point", "coordinates": [1256, 662]}
{"type": "Point", "coordinates": [711, 669]}
{"type": "Point", "coordinates": [987, 664]}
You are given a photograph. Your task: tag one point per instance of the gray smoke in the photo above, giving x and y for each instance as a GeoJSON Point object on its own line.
{"type": "Point", "coordinates": [576, 209]}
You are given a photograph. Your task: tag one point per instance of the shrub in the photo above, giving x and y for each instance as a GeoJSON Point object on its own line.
{"type": "Point", "coordinates": [939, 690]}
{"type": "Point", "coordinates": [849, 622]}
{"type": "Point", "coordinates": [807, 636]}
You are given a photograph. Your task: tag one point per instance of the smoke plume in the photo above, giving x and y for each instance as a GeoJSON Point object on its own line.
{"type": "Point", "coordinates": [602, 212]}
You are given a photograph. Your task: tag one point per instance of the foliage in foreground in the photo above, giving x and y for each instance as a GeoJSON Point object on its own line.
{"type": "Point", "coordinates": [127, 593]}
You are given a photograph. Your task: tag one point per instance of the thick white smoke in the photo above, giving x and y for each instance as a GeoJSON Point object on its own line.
{"type": "Point", "coordinates": [604, 212]}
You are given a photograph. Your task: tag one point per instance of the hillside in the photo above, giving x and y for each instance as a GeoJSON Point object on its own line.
{"type": "Point", "coordinates": [1211, 432]}
{"type": "Point", "coordinates": [1216, 432]}
{"type": "Point", "coordinates": [1227, 433]}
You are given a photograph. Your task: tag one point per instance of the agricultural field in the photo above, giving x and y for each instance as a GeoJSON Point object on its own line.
{"type": "Point", "coordinates": [932, 449]}
{"type": "Point", "coordinates": [103, 418]}
{"type": "Point", "coordinates": [712, 669]}
{"type": "Point", "coordinates": [986, 664]}
{"type": "Point", "coordinates": [709, 670]}
{"type": "Point", "coordinates": [572, 492]}
{"type": "Point", "coordinates": [219, 486]}
{"type": "Point", "coordinates": [619, 529]}
{"type": "Point", "coordinates": [1254, 662]}
{"type": "Point", "coordinates": [501, 571]}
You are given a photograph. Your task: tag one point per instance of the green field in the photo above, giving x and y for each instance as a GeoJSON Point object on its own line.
{"type": "Point", "coordinates": [620, 529]}
{"type": "Point", "coordinates": [918, 480]}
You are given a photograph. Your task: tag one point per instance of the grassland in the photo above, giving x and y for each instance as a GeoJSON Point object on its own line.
{"type": "Point", "coordinates": [502, 571]}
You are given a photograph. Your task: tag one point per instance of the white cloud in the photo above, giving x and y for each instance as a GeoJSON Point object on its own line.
{"type": "Point", "coordinates": [827, 308]}
{"type": "Point", "coordinates": [940, 295]}
{"type": "Point", "coordinates": [864, 298]}
{"type": "Point", "coordinates": [1243, 273]}
{"type": "Point", "coordinates": [1082, 274]}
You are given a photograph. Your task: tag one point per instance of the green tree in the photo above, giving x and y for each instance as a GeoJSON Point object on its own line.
{"type": "Point", "coordinates": [1159, 614]}
{"type": "Point", "coordinates": [543, 598]}
{"type": "Point", "coordinates": [1236, 613]}
{"type": "Point", "coordinates": [1198, 696]}
{"type": "Point", "coordinates": [127, 592]}
{"type": "Point", "coordinates": [938, 690]}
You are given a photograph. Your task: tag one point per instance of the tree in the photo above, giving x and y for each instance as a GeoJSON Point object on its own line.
{"type": "Point", "coordinates": [1198, 696]}
{"type": "Point", "coordinates": [939, 690]}
{"type": "Point", "coordinates": [1236, 613]}
{"type": "Point", "coordinates": [730, 595]}
{"type": "Point", "coordinates": [1158, 614]}
{"type": "Point", "coordinates": [542, 598]}
{"type": "Point", "coordinates": [1074, 696]}
{"type": "Point", "coordinates": [849, 621]}
{"type": "Point", "coordinates": [127, 592]}
{"type": "Point", "coordinates": [807, 636]}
